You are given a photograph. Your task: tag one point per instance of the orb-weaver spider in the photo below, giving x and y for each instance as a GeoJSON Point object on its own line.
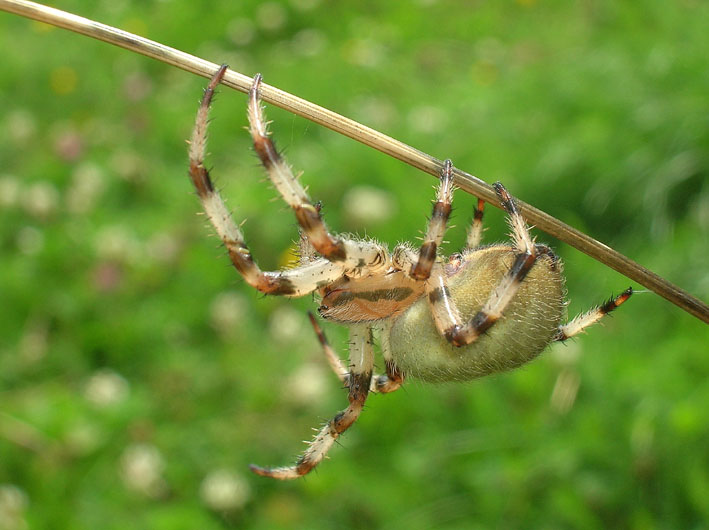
{"type": "Point", "coordinates": [484, 310]}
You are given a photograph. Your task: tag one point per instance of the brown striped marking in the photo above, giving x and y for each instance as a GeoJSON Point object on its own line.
{"type": "Point", "coordinates": [308, 217]}
{"type": "Point", "coordinates": [427, 257]}
{"type": "Point", "coordinates": [421, 270]}
{"type": "Point", "coordinates": [198, 173]}
{"type": "Point", "coordinates": [479, 211]}
{"type": "Point", "coordinates": [201, 179]}
{"type": "Point", "coordinates": [307, 214]}
{"type": "Point", "coordinates": [461, 335]}
{"type": "Point", "coordinates": [439, 294]}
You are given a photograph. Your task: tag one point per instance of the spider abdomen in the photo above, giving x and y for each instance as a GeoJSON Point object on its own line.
{"type": "Point", "coordinates": [529, 324]}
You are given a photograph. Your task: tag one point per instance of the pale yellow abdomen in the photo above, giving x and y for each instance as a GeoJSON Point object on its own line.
{"type": "Point", "coordinates": [527, 326]}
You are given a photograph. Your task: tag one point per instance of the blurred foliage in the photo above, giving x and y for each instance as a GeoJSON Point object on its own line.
{"type": "Point", "coordinates": [139, 376]}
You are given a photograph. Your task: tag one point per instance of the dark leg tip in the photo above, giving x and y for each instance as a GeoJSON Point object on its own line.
{"type": "Point", "coordinates": [261, 471]}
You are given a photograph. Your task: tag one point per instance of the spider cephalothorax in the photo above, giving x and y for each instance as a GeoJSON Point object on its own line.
{"type": "Point", "coordinates": [484, 310]}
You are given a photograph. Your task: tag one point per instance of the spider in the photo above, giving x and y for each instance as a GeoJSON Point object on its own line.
{"type": "Point", "coordinates": [484, 310]}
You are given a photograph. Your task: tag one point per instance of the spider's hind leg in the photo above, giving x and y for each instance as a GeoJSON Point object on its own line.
{"type": "Point", "coordinates": [584, 320]}
{"type": "Point", "coordinates": [360, 378]}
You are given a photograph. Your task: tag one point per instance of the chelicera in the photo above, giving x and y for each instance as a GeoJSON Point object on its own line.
{"type": "Point", "coordinates": [484, 310]}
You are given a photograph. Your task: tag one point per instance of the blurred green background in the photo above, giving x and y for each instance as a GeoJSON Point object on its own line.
{"type": "Point", "coordinates": [139, 376]}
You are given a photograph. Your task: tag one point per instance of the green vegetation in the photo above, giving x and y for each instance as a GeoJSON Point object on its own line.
{"type": "Point", "coordinates": [139, 376]}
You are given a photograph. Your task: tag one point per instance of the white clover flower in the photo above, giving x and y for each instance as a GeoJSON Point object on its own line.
{"type": "Point", "coordinates": [106, 388]}
{"type": "Point", "coordinates": [141, 468]}
{"type": "Point", "coordinates": [223, 490]}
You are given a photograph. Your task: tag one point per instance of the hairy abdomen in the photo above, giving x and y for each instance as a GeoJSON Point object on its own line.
{"type": "Point", "coordinates": [528, 325]}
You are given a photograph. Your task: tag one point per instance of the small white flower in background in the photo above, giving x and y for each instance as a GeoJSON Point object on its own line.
{"type": "Point", "coordinates": [9, 190]}
{"type": "Point", "coordinates": [142, 466]}
{"type": "Point", "coordinates": [88, 182]}
{"type": "Point", "coordinates": [271, 16]}
{"type": "Point", "coordinates": [227, 312]}
{"type": "Point", "coordinates": [427, 119]}
{"type": "Point", "coordinates": [128, 165]}
{"type": "Point", "coordinates": [309, 42]}
{"type": "Point", "coordinates": [308, 384]}
{"type": "Point", "coordinates": [374, 111]}
{"type": "Point", "coordinates": [223, 490]}
{"type": "Point", "coordinates": [368, 205]}
{"type": "Point", "coordinates": [13, 503]}
{"type": "Point", "coordinates": [117, 242]}
{"type": "Point", "coordinates": [286, 324]}
{"type": "Point", "coordinates": [21, 126]}
{"type": "Point", "coordinates": [41, 199]}
{"type": "Point", "coordinates": [241, 31]}
{"type": "Point", "coordinates": [163, 247]}
{"type": "Point", "coordinates": [365, 52]}
{"type": "Point", "coordinates": [106, 388]}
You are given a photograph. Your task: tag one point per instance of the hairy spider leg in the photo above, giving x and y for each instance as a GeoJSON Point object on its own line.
{"type": "Point", "coordinates": [349, 253]}
{"type": "Point", "coordinates": [332, 358]}
{"type": "Point", "coordinates": [584, 320]}
{"type": "Point", "coordinates": [360, 378]}
{"type": "Point", "coordinates": [445, 313]}
{"type": "Point", "coordinates": [475, 232]}
{"type": "Point", "coordinates": [394, 377]}
{"type": "Point", "coordinates": [421, 270]}
{"type": "Point", "coordinates": [382, 384]}
{"type": "Point", "coordinates": [293, 282]}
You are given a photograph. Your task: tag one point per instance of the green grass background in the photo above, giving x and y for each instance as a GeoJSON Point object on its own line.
{"type": "Point", "coordinates": [595, 111]}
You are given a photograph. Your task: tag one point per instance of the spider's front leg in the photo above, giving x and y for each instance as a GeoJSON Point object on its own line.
{"type": "Point", "coordinates": [294, 282]}
{"type": "Point", "coordinates": [359, 379]}
{"type": "Point", "coordinates": [351, 254]}
{"type": "Point", "coordinates": [421, 269]}
{"type": "Point", "coordinates": [475, 232]}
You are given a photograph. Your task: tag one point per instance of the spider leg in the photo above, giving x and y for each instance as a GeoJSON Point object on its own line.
{"type": "Point", "coordinates": [445, 313]}
{"type": "Point", "coordinates": [294, 282]}
{"type": "Point", "coordinates": [332, 359]}
{"type": "Point", "coordinates": [475, 232]}
{"type": "Point", "coordinates": [361, 363]}
{"type": "Point", "coordinates": [380, 383]}
{"type": "Point", "coordinates": [421, 269]}
{"type": "Point", "coordinates": [351, 254]}
{"type": "Point", "coordinates": [584, 320]}
{"type": "Point", "coordinates": [394, 377]}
